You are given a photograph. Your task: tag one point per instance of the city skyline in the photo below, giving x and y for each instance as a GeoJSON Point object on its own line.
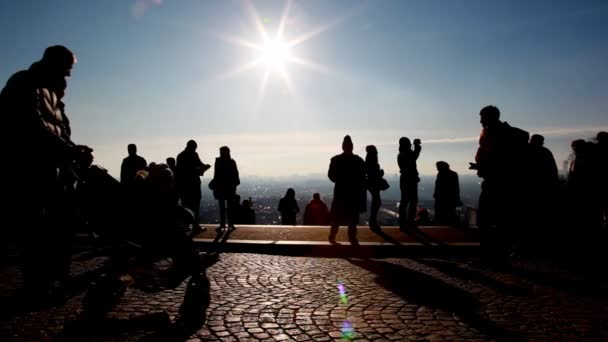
{"type": "Point", "coordinates": [158, 73]}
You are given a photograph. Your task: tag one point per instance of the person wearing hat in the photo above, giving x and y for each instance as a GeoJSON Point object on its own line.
{"type": "Point", "coordinates": [347, 172]}
{"type": "Point", "coordinates": [43, 159]}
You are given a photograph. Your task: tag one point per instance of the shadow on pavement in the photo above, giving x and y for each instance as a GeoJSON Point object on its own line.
{"type": "Point", "coordinates": [385, 236]}
{"type": "Point", "coordinates": [422, 289]}
{"type": "Point", "coordinates": [454, 270]}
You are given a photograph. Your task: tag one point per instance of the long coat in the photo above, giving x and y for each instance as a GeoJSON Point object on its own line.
{"type": "Point", "coordinates": [225, 179]}
{"type": "Point", "coordinates": [347, 171]}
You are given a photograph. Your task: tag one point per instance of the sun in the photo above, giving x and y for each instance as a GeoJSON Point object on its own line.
{"type": "Point", "coordinates": [274, 54]}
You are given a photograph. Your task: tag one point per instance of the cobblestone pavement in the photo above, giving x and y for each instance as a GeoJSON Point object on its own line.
{"type": "Point", "coordinates": [277, 298]}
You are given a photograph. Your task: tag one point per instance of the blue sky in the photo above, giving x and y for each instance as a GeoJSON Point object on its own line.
{"type": "Point", "coordinates": [157, 73]}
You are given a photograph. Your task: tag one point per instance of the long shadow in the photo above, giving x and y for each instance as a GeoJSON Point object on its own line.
{"type": "Point", "coordinates": [422, 289]}
{"type": "Point", "coordinates": [420, 236]}
{"type": "Point", "coordinates": [107, 292]}
{"type": "Point", "coordinates": [453, 270]}
{"type": "Point", "coordinates": [385, 236]}
{"type": "Point", "coordinates": [580, 287]}
{"type": "Point", "coordinates": [20, 304]}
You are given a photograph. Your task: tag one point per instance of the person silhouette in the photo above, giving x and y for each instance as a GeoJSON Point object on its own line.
{"type": "Point", "coordinates": [172, 163]}
{"type": "Point", "coordinates": [247, 214]}
{"type": "Point", "coordinates": [585, 210]}
{"type": "Point", "coordinates": [374, 183]}
{"type": "Point", "coordinates": [544, 184]}
{"type": "Point", "coordinates": [501, 161]}
{"type": "Point", "coordinates": [602, 157]}
{"type": "Point", "coordinates": [408, 182]}
{"type": "Point", "coordinates": [224, 183]}
{"type": "Point", "coordinates": [188, 171]}
{"type": "Point", "coordinates": [316, 212]}
{"type": "Point", "coordinates": [347, 172]}
{"type": "Point", "coordinates": [447, 195]}
{"type": "Point", "coordinates": [288, 207]}
{"type": "Point", "coordinates": [41, 183]}
{"type": "Point", "coordinates": [130, 165]}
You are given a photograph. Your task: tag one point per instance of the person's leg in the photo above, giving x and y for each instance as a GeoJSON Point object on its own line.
{"type": "Point", "coordinates": [412, 205]}
{"type": "Point", "coordinates": [231, 212]}
{"type": "Point", "coordinates": [222, 205]}
{"type": "Point", "coordinates": [352, 233]}
{"type": "Point", "coordinates": [333, 231]}
{"type": "Point", "coordinates": [375, 207]}
{"type": "Point", "coordinates": [403, 208]}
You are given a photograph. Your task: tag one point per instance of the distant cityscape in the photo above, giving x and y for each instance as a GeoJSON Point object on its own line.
{"type": "Point", "coordinates": [265, 194]}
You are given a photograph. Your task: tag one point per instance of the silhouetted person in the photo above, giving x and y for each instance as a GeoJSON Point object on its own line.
{"type": "Point", "coordinates": [246, 213]}
{"type": "Point", "coordinates": [130, 165]}
{"type": "Point", "coordinates": [224, 183]}
{"type": "Point", "coordinates": [447, 195]}
{"type": "Point", "coordinates": [423, 218]}
{"type": "Point", "coordinates": [374, 184]}
{"type": "Point", "coordinates": [408, 182]}
{"type": "Point", "coordinates": [288, 207]}
{"type": "Point", "coordinates": [347, 172]}
{"type": "Point", "coordinates": [500, 160]}
{"type": "Point", "coordinates": [172, 163]}
{"type": "Point", "coordinates": [40, 177]}
{"type": "Point", "coordinates": [585, 210]}
{"type": "Point", "coordinates": [189, 169]}
{"type": "Point", "coordinates": [316, 212]}
{"type": "Point", "coordinates": [602, 156]}
{"type": "Point", "coordinates": [544, 183]}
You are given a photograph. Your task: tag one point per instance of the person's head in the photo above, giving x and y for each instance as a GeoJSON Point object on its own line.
{"type": "Point", "coordinates": [316, 196]}
{"type": "Point", "coordinates": [405, 144]}
{"type": "Point", "coordinates": [537, 140]}
{"type": "Point", "coordinates": [191, 145]}
{"type": "Point", "coordinates": [602, 138]}
{"type": "Point", "coordinates": [224, 152]}
{"type": "Point", "coordinates": [291, 193]}
{"type": "Point", "coordinates": [372, 154]}
{"type": "Point", "coordinates": [246, 204]}
{"type": "Point", "coordinates": [442, 166]}
{"type": "Point", "coordinates": [58, 60]}
{"type": "Point", "coordinates": [171, 162]}
{"type": "Point", "coordinates": [371, 149]}
{"type": "Point", "coordinates": [489, 116]}
{"type": "Point", "coordinates": [132, 149]}
{"type": "Point", "coordinates": [578, 145]}
{"type": "Point", "coordinates": [347, 144]}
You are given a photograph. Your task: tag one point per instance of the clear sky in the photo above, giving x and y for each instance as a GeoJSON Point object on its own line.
{"type": "Point", "coordinates": [158, 73]}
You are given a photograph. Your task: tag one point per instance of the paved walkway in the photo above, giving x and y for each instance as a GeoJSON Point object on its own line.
{"type": "Point", "coordinates": [257, 297]}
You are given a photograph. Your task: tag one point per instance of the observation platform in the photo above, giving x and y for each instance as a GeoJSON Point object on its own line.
{"type": "Point", "coordinates": [313, 240]}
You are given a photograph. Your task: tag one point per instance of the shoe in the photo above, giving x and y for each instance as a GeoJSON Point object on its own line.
{"type": "Point", "coordinates": [231, 227]}
{"type": "Point", "coordinates": [220, 228]}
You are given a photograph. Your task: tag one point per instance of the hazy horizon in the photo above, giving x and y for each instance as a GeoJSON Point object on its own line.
{"type": "Point", "coordinates": [158, 73]}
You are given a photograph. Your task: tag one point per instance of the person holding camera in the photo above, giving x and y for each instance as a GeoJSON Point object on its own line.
{"type": "Point", "coordinates": [188, 171]}
{"type": "Point", "coordinates": [408, 182]}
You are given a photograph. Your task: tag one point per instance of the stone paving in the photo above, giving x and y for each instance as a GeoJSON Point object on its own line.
{"type": "Point", "coordinates": [258, 297]}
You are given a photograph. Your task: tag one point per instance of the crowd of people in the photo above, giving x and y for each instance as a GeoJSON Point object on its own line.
{"type": "Point", "coordinates": [520, 187]}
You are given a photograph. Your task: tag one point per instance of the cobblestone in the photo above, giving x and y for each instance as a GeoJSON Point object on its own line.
{"type": "Point", "coordinates": [277, 298]}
